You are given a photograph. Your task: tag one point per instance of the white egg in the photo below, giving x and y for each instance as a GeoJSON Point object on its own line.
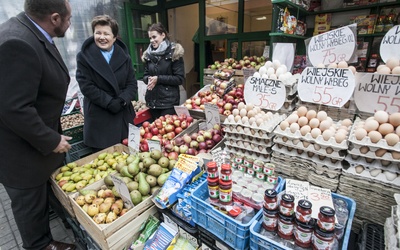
{"type": "Point", "coordinates": [273, 77]}
{"type": "Point", "coordinates": [381, 116]}
{"type": "Point", "coordinates": [283, 66]}
{"type": "Point", "coordinates": [288, 74]}
{"type": "Point", "coordinates": [270, 71]}
{"type": "Point", "coordinates": [276, 64]}
{"type": "Point", "coordinates": [262, 70]}
{"type": "Point", "coordinates": [359, 169]}
{"type": "Point", "coordinates": [268, 64]}
{"type": "Point", "coordinates": [264, 76]}
{"type": "Point", "coordinates": [383, 70]}
{"type": "Point", "coordinates": [256, 74]}
{"type": "Point", "coordinates": [282, 77]}
{"type": "Point", "coordinates": [279, 71]}
{"type": "Point", "coordinates": [294, 127]}
{"type": "Point", "coordinates": [396, 70]}
{"type": "Point", "coordinates": [353, 69]}
{"type": "Point", "coordinates": [321, 65]}
{"type": "Point", "coordinates": [375, 172]}
{"type": "Point", "coordinates": [342, 64]}
{"type": "Point", "coordinates": [231, 118]}
{"type": "Point", "coordinates": [392, 62]}
{"type": "Point", "coordinates": [332, 65]}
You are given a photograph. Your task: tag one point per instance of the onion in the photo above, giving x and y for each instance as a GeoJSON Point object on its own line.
{"type": "Point", "coordinates": [202, 145]}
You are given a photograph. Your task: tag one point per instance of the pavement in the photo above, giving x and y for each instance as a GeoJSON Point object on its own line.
{"type": "Point", "coordinates": [10, 238]}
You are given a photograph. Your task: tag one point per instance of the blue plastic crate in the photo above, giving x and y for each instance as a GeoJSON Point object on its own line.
{"type": "Point", "coordinates": [232, 232]}
{"type": "Point", "coordinates": [261, 242]}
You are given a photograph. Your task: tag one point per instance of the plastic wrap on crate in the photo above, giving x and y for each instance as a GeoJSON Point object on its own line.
{"type": "Point", "coordinates": [311, 147]}
{"type": "Point", "coordinates": [261, 242]}
{"type": "Point", "coordinates": [266, 127]}
{"type": "Point", "coordinates": [232, 232]}
{"type": "Point", "coordinates": [366, 141]}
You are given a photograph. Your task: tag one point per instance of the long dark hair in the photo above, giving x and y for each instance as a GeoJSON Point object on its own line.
{"type": "Point", "coordinates": [160, 29]}
{"type": "Point", "coordinates": [42, 8]}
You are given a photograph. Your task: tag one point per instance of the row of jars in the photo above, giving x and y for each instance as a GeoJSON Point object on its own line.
{"type": "Point", "coordinates": [257, 168]}
{"type": "Point", "coordinates": [220, 183]}
{"type": "Point", "coordinates": [296, 223]}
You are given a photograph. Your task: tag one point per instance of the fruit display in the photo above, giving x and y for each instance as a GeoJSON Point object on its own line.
{"type": "Point", "coordinates": [139, 106]}
{"type": "Point", "coordinates": [164, 128]}
{"type": "Point", "coordinates": [246, 62]}
{"type": "Point", "coordinates": [317, 140]}
{"type": "Point", "coordinates": [71, 120]}
{"type": "Point", "coordinates": [249, 131]}
{"type": "Point", "coordinates": [72, 177]}
{"type": "Point", "coordinates": [223, 82]}
{"type": "Point", "coordinates": [101, 205]}
{"type": "Point", "coordinates": [226, 104]}
{"type": "Point", "coordinates": [195, 142]}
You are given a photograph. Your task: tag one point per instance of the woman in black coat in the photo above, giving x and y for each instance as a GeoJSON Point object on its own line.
{"type": "Point", "coordinates": [106, 78]}
{"type": "Point", "coordinates": [163, 73]}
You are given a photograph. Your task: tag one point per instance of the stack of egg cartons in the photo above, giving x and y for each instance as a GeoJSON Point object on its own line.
{"type": "Point", "coordinates": [310, 146]}
{"type": "Point", "coordinates": [373, 175]}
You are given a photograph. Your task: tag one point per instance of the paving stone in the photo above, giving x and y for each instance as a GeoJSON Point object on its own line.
{"type": "Point", "coordinates": [4, 230]}
{"type": "Point", "coordinates": [9, 245]}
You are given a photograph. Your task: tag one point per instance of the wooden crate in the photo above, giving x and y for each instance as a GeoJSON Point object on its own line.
{"type": "Point", "coordinates": [61, 195]}
{"type": "Point", "coordinates": [104, 231]}
{"type": "Point", "coordinates": [208, 79]}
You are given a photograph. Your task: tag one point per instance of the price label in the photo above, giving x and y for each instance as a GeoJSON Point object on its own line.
{"type": "Point", "coordinates": [328, 86]}
{"type": "Point", "coordinates": [390, 44]}
{"type": "Point", "coordinates": [154, 144]}
{"type": "Point", "coordinates": [299, 189]}
{"type": "Point", "coordinates": [212, 115]}
{"type": "Point", "coordinates": [332, 46]}
{"type": "Point", "coordinates": [123, 190]}
{"type": "Point", "coordinates": [133, 138]}
{"type": "Point", "coordinates": [378, 92]}
{"type": "Point", "coordinates": [319, 197]}
{"type": "Point", "coordinates": [182, 110]}
{"type": "Point", "coordinates": [248, 72]}
{"type": "Point", "coordinates": [265, 93]}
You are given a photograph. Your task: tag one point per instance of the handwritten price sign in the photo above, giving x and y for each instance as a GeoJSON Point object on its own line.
{"type": "Point", "coordinates": [212, 115]}
{"type": "Point", "coordinates": [265, 93]}
{"type": "Point", "coordinates": [133, 138]}
{"type": "Point", "coordinates": [123, 191]}
{"type": "Point", "coordinates": [390, 44]}
{"type": "Point", "coordinates": [328, 86]}
{"type": "Point", "coordinates": [333, 46]}
{"type": "Point", "coordinates": [378, 92]}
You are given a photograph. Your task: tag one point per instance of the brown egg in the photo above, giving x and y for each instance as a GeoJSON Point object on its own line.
{"type": "Point", "coordinates": [385, 128]}
{"type": "Point", "coordinates": [394, 119]}
{"type": "Point", "coordinates": [381, 116]}
{"type": "Point", "coordinates": [302, 111]}
{"type": "Point", "coordinates": [294, 127]}
{"type": "Point", "coordinates": [284, 125]}
{"type": "Point", "coordinates": [398, 130]}
{"type": "Point", "coordinates": [369, 160]}
{"type": "Point", "coordinates": [374, 136]}
{"type": "Point", "coordinates": [346, 122]}
{"type": "Point", "coordinates": [392, 139]}
{"type": "Point", "coordinates": [292, 118]}
{"type": "Point", "coordinates": [360, 133]}
{"type": "Point", "coordinates": [380, 152]}
{"type": "Point", "coordinates": [364, 149]}
{"type": "Point", "coordinates": [371, 125]}
{"type": "Point", "coordinates": [324, 125]}
{"type": "Point", "coordinates": [359, 169]}
{"type": "Point", "coordinates": [395, 155]}
{"type": "Point", "coordinates": [306, 144]}
{"type": "Point", "coordinates": [311, 114]}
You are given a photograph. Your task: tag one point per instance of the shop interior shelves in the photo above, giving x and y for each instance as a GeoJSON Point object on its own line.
{"type": "Point", "coordinates": [280, 34]}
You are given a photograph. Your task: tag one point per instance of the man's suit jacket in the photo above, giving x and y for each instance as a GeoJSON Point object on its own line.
{"type": "Point", "coordinates": [33, 86]}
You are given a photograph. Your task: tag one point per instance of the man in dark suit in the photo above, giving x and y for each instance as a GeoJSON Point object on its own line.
{"type": "Point", "coordinates": [33, 86]}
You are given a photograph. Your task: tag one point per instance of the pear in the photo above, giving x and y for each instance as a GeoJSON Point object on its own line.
{"type": "Point", "coordinates": [155, 170]}
{"type": "Point", "coordinates": [155, 154]}
{"type": "Point", "coordinates": [163, 162]}
{"type": "Point", "coordinates": [151, 180]}
{"type": "Point", "coordinates": [111, 216]}
{"type": "Point", "coordinates": [105, 207]}
{"type": "Point", "coordinates": [153, 190]}
{"type": "Point", "coordinates": [100, 218]}
{"type": "Point", "coordinates": [133, 168]}
{"type": "Point", "coordinates": [124, 172]}
{"type": "Point", "coordinates": [144, 187]}
{"type": "Point", "coordinates": [98, 201]}
{"type": "Point", "coordinates": [108, 181]}
{"type": "Point", "coordinates": [163, 178]}
{"type": "Point", "coordinates": [80, 200]}
{"type": "Point", "coordinates": [89, 198]}
{"type": "Point", "coordinates": [109, 200]}
{"type": "Point", "coordinates": [88, 191]}
{"type": "Point", "coordinates": [115, 192]}
{"type": "Point", "coordinates": [133, 185]}
{"type": "Point", "coordinates": [171, 164]}
{"type": "Point", "coordinates": [136, 197]}
{"type": "Point", "coordinates": [147, 162]}
{"type": "Point", "coordinates": [102, 156]}
{"type": "Point", "coordinates": [92, 210]}
{"type": "Point", "coordinates": [124, 210]}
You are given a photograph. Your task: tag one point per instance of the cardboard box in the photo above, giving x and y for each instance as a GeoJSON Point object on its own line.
{"type": "Point", "coordinates": [63, 196]}
{"type": "Point", "coordinates": [100, 232]}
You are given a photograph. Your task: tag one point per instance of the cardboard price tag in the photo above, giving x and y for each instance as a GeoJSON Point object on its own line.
{"type": "Point", "coordinates": [328, 86]}
{"type": "Point", "coordinates": [123, 190]}
{"type": "Point", "coordinates": [133, 139]}
{"type": "Point", "coordinates": [319, 197]}
{"type": "Point", "coordinates": [299, 189]}
{"type": "Point", "coordinates": [248, 72]}
{"type": "Point", "coordinates": [265, 93]}
{"type": "Point", "coordinates": [212, 115]}
{"type": "Point", "coordinates": [182, 110]}
{"type": "Point", "coordinates": [390, 44]}
{"type": "Point", "coordinates": [332, 46]}
{"type": "Point", "coordinates": [154, 144]}
{"type": "Point", "coordinates": [378, 92]}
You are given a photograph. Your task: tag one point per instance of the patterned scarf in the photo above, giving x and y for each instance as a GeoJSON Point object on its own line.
{"type": "Point", "coordinates": [160, 50]}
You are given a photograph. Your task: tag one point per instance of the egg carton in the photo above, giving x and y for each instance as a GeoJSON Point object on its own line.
{"type": "Point", "coordinates": [253, 143]}
{"type": "Point", "coordinates": [238, 130]}
{"type": "Point", "coordinates": [381, 177]}
{"type": "Point", "coordinates": [250, 147]}
{"type": "Point", "coordinates": [265, 127]}
{"type": "Point", "coordinates": [373, 162]}
{"type": "Point", "coordinates": [376, 164]}
{"type": "Point", "coordinates": [248, 153]}
{"type": "Point", "coordinates": [320, 160]}
{"type": "Point", "coordinates": [307, 137]}
{"type": "Point", "coordinates": [366, 141]}
{"type": "Point", "coordinates": [371, 154]}
{"type": "Point", "coordinates": [257, 140]}
{"type": "Point", "coordinates": [311, 147]}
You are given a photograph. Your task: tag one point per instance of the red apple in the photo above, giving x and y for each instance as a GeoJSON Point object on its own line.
{"type": "Point", "coordinates": [184, 125]}
{"type": "Point", "coordinates": [178, 130]}
{"type": "Point", "coordinates": [177, 123]}
{"type": "Point", "coordinates": [148, 135]}
{"type": "Point", "coordinates": [170, 135]}
{"type": "Point", "coordinates": [154, 131]}
{"type": "Point", "coordinates": [173, 156]}
{"type": "Point", "coordinates": [161, 131]}
{"type": "Point", "coordinates": [144, 147]}
{"type": "Point", "coordinates": [169, 128]}
{"type": "Point", "coordinates": [125, 141]}
{"type": "Point", "coordinates": [146, 124]}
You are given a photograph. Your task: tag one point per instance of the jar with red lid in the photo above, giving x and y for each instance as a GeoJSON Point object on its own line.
{"type": "Point", "coordinates": [225, 192]}
{"type": "Point", "coordinates": [270, 220]}
{"type": "Point", "coordinates": [322, 240]}
{"type": "Point", "coordinates": [270, 199]}
{"type": "Point", "coordinates": [285, 227]}
{"type": "Point", "coordinates": [286, 206]}
{"type": "Point", "coordinates": [303, 211]}
{"type": "Point", "coordinates": [303, 233]}
{"type": "Point", "coordinates": [235, 211]}
{"type": "Point", "coordinates": [212, 169]}
{"type": "Point", "coordinates": [213, 188]}
{"type": "Point", "coordinates": [326, 219]}
{"type": "Point", "coordinates": [226, 172]}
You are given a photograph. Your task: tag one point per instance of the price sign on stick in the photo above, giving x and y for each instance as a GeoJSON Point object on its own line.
{"type": "Point", "coordinates": [133, 138]}
{"type": "Point", "coordinates": [328, 86]}
{"type": "Point", "coordinates": [123, 190]}
{"type": "Point", "coordinates": [390, 44]}
{"type": "Point", "coordinates": [332, 46]}
{"type": "Point", "coordinates": [248, 72]}
{"type": "Point", "coordinates": [265, 93]}
{"type": "Point", "coordinates": [182, 110]}
{"type": "Point", "coordinates": [154, 144]}
{"type": "Point", "coordinates": [212, 115]}
{"type": "Point", "coordinates": [378, 92]}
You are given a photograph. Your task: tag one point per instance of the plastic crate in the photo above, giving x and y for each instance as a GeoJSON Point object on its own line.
{"type": "Point", "coordinates": [373, 237]}
{"type": "Point", "coordinates": [261, 242]}
{"type": "Point", "coordinates": [78, 150]}
{"type": "Point", "coordinates": [75, 132]}
{"type": "Point", "coordinates": [210, 241]}
{"type": "Point", "coordinates": [79, 233]}
{"type": "Point", "coordinates": [232, 232]}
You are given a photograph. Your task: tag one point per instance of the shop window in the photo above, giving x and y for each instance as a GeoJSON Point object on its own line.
{"type": "Point", "coordinates": [221, 17]}
{"type": "Point", "coordinates": [257, 16]}
{"type": "Point", "coordinates": [145, 2]}
{"type": "Point", "coordinates": [218, 49]}
{"type": "Point", "coordinates": [142, 22]}
{"type": "Point", "coordinates": [255, 48]}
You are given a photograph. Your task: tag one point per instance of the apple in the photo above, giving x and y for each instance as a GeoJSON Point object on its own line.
{"type": "Point", "coordinates": [210, 143]}
{"type": "Point", "coordinates": [188, 101]}
{"type": "Point", "coordinates": [178, 130]}
{"type": "Point", "coordinates": [170, 135]}
{"type": "Point", "coordinates": [177, 123]}
{"type": "Point", "coordinates": [146, 124]}
{"type": "Point", "coordinates": [158, 124]}
{"type": "Point", "coordinates": [189, 106]}
{"type": "Point", "coordinates": [173, 156]}
{"type": "Point", "coordinates": [144, 147]}
{"type": "Point", "coordinates": [187, 138]}
{"type": "Point", "coordinates": [207, 134]}
{"type": "Point", "coordinates": [194, 136]}
{"type": "Point", "coordinates": [161, 131]}
{"type": "Point", "coordinates": [184, 125]}
{"type": "Point", "coordinates": [183, 148]}
{"type": "Point", "coordinates": [168, 148]}
{"type": "Point", "coordinates": [191, 151]}
{"type": "Point", "coordinates": [142, 131]}
{"type": "Point", "coordinates": [125, 141]}
{"type": "Point", "coordinates": [217, 126]}
{"type": "Point", "coordinates": [148, 135]}
{"type": "Point", "coordinates": [169, 128]}
{"type": "Point", "coordinates": [194, 144]}
{"type": "Point", "coordinates": [189, 119]}
{"type": "Point", "coordinates": [200, 138]}
{"type": "Point", "coordinates": [227, 112]}
{"type": "Point", "coordinates": [154, 131]}
{"type": "Point", "coordinates": [228, 105]}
